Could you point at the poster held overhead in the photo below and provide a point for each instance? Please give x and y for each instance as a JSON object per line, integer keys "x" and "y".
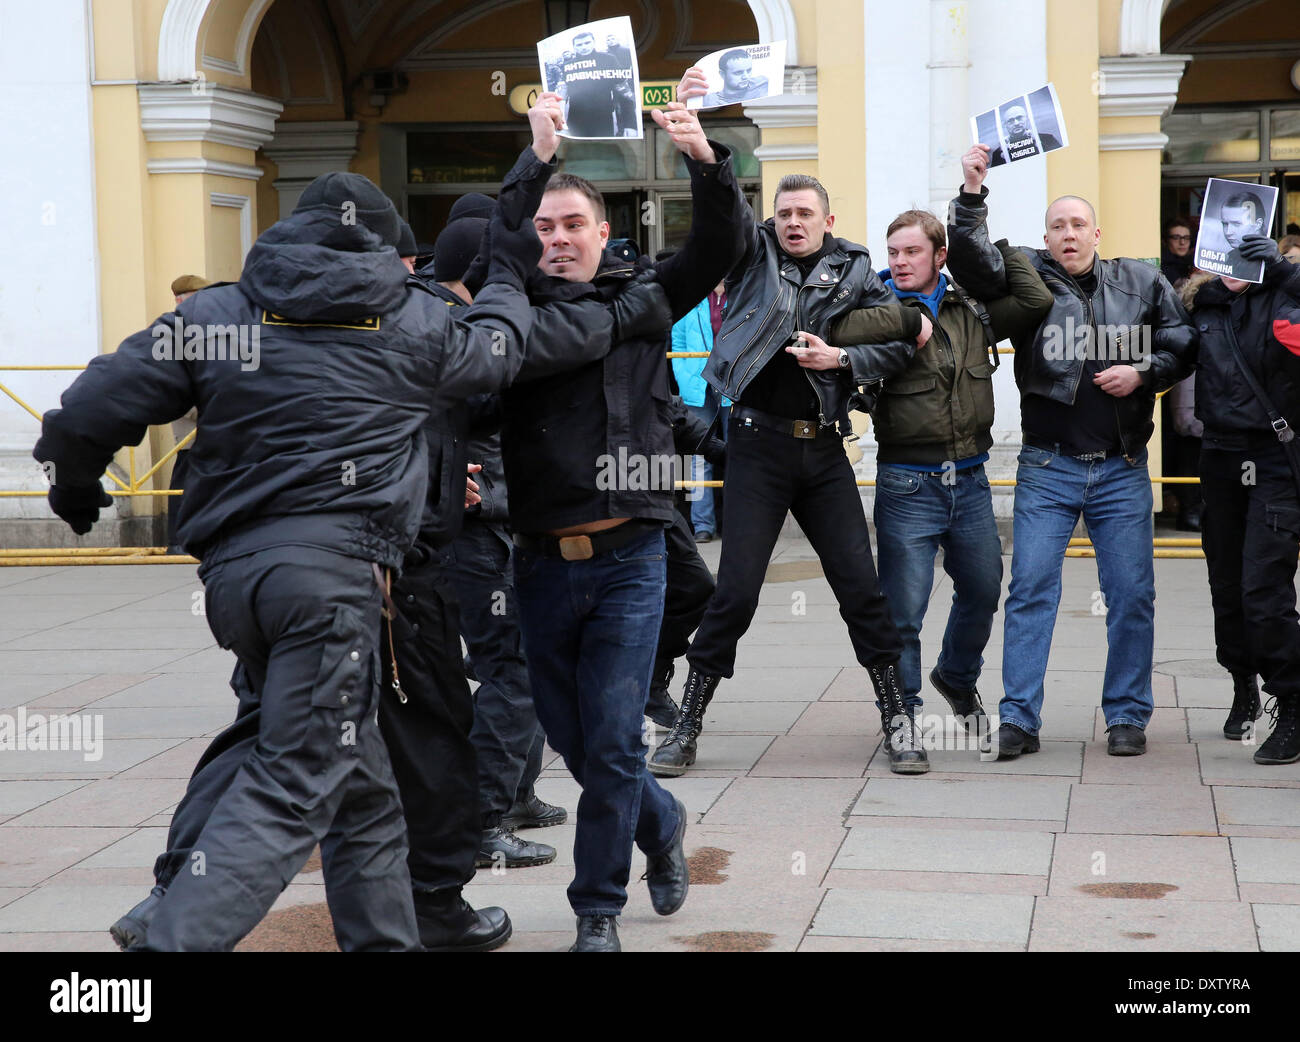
{"x": 742, "y": 73}
{"x": 1233, "y": 210}
{"x": 1026, "y": 126}
{"x": 593, "y": 68}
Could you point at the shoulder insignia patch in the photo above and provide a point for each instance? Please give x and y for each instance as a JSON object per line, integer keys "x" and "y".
{"x": 370, "y": 322}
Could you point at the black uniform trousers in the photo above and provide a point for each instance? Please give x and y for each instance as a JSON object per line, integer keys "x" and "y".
{"x": 690, "y": 585}
{"x": 302, "y": 764}
{"x": 768, "y": 474}
{"x": 427, "y": 740}
{"x": 507, "y": 737}
{"x": 1251, "y": 534}
{"x": 428, "y": 735}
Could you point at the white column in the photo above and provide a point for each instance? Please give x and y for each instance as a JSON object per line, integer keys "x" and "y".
{"x": 797, "y": 107}
{"x": 304, "y": 151}
{"x": 1142, "y": 85}
{"x": 949, "y": 112}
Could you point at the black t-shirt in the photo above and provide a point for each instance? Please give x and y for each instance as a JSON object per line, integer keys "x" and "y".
{"x": 783, "y": 387}
{"x": 1091, "y": 424}
{"x": 590, "y": 83}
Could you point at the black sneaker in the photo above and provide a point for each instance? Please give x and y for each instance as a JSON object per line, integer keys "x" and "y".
{"x": 1011, "y": 741}
{"x": 597, "y": 933}
{"x": 502, "y": 847}
{"x": 1126, "y": 740}
{"x": 533, "y": 813}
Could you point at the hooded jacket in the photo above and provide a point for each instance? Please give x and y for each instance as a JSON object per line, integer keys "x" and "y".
{"x": 313, "y": 377}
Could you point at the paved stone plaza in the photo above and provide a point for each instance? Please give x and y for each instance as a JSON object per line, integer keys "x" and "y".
{"x": 800, "y": 838}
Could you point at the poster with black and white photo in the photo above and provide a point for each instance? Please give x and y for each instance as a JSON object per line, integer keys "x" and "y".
{"x": 736, "y": 74}
{"x": 1233, "y": 210}
{"x": 593, "y": 68}
{"x": 1026, "y": 126}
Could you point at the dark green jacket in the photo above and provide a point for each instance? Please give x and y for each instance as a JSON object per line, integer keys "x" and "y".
{"x": 941, "y": 407}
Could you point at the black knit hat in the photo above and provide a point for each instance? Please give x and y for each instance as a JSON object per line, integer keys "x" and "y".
{"x": 369, "y": 206}
{"x": 475, "y": 204}
{"x": 456, "y": 248}
{"x": 406, "y": 241}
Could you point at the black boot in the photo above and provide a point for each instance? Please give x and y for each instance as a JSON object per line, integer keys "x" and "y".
{"x": 677, "y": 751}
{"x": 448, "y": 924}
{"x": 130, "y": 931}
{"x": 1283, "y": 745}
{"x": 901, "y": 740}
{"x": 1245, "y": 707}
{"x": 660, "y": 707}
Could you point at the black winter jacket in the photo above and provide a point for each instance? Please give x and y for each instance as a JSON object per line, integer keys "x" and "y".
{"x": 315, "y": 437}
{"x": 596, "y": 442}
{"x": 1265, "y": 321}
{"x": 768, "y": 300}
{"x": 1129, "y": 294}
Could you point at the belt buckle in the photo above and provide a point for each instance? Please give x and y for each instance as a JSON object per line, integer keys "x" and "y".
{"x": 1090, "y": 456}
{"x": 804, "y": 429}
{"x": 576, "y": 548}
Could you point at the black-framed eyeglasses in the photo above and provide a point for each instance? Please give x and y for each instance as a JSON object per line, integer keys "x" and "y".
{"x": 1180, "y": 238}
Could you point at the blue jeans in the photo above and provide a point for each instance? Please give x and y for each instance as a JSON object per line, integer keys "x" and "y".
{"x": 917, "y": 512}
{"x": 1114, "y": 498}
{"x": 590, "y": 631}
{"x": 703, "y": 518}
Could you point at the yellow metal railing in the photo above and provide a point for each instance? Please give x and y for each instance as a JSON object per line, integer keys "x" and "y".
{"x": 158, "y": 555}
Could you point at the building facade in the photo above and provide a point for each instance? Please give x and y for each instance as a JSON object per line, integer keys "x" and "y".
{"x": 156, "y": 138}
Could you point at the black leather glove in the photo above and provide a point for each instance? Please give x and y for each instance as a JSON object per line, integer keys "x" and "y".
{"x": 714, "y": 450}
{"x": 79, "y": 507}
{"x": 1260, "y": 248}
{"x": 511, "y": 253}
{"x": 641, "y": 312}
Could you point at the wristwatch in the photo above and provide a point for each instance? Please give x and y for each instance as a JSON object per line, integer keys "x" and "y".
{"x": 844, "y": 359}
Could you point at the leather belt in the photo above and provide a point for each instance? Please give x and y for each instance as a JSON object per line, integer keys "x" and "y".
{"x": 585, "y": 547}
{"x": 744, "y": 416}
{"x": 1055, "y": 446}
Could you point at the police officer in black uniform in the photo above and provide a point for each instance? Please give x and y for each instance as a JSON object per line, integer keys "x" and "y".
{"x": 293, "y": 527}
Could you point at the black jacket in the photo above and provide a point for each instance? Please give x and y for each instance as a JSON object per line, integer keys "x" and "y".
{"x": 1130, "y": 293}
{"x": 768, "y": 300}
{"x": 315, "y": 437}
{"x": 1265, "y": 321}
{"x": 596, "y": 442}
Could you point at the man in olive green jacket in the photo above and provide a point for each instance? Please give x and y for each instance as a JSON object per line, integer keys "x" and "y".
{"x": 932, "y": 424}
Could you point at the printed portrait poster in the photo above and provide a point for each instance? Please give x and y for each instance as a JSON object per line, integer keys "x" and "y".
{"x": 1024, "y": 127}
{"x": 593, "y": 68}
{"x": 1231, "y": 211}
{"x": 743, "y": 73}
